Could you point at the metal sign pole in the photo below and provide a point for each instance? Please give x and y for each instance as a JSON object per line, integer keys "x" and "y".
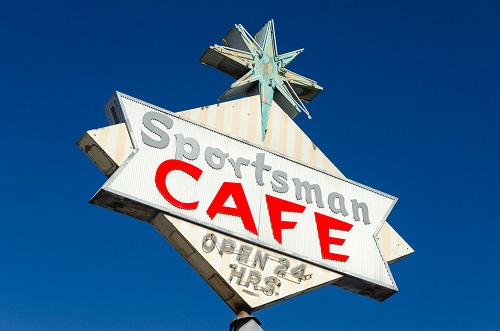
{"x": 245, "y": 322}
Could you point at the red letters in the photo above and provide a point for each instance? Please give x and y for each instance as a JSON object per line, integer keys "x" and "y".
{"x": 276, "y": 206}
{"x": 161, "y": 175}
{"x": 242, "y": 209}
{"x": 324, "y": 224}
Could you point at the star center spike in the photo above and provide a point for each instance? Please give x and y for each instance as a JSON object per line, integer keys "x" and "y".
{"x": 258, "y": 68}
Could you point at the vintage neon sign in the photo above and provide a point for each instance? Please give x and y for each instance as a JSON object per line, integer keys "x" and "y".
{"x": 257, "y": 181}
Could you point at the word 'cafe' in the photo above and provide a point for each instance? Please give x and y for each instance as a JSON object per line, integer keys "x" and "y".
{"x": 189, "y": 148}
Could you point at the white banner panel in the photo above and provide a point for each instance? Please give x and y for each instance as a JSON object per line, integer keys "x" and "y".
{"x": 205, "y": 177}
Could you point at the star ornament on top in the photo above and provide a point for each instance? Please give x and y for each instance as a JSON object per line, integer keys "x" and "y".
{"x": 258, "y": 68}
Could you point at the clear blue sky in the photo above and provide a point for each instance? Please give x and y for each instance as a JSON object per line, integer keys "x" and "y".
{"x": 410, "y": 106}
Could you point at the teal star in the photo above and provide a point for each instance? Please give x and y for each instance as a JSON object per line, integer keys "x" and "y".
{"x": 258, "y": 68}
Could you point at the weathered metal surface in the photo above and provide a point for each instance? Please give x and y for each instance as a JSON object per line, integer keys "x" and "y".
{"x": 107, "y": 147}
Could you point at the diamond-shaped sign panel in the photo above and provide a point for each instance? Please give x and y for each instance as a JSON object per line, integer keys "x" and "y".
{"x": 246, "y": 276}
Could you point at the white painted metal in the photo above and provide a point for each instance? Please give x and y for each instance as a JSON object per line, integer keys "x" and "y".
{"x": 107, "y": 147}
{"x": 393, "y": 247}
{"x": 135, "y": 180}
